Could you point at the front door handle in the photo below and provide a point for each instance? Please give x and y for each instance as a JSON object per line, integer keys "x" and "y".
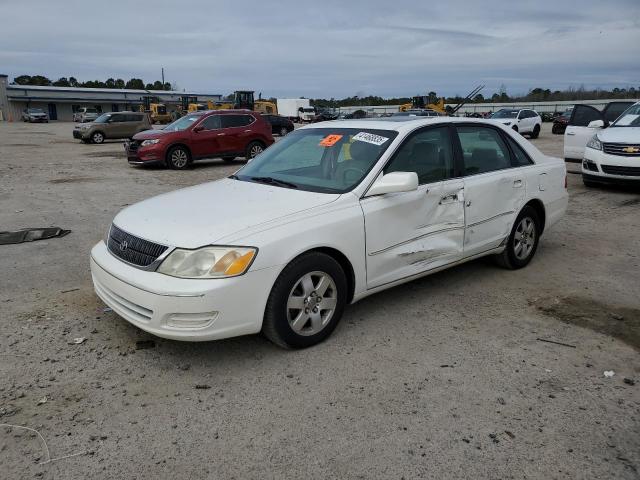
{"x": 221, "y": 134}
{"x": 571, "y": 133}
{"x": 517, "y": 183}
{"x": 449, "y": 198}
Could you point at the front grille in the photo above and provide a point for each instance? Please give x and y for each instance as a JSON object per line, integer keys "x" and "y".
{"x": 132, "y": 249}
{"x": 616, "y": 170}
{"x": 619, "y": 149}
{"x": 132, "y": 146}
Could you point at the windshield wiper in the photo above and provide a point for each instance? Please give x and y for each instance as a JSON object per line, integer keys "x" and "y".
{"x": 274, "y": 181}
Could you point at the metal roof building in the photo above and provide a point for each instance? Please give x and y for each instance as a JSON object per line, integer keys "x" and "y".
{"x": 61, "y": 102}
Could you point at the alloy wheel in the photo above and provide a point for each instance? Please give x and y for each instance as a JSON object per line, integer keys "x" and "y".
{"x": 255, "y": 150}
{"x": 311, "y": 303}
{"x": 524, "y": 238}
{"x": 179, "y": 158}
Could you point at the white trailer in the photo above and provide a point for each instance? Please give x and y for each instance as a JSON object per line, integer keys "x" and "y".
{"x": 297, "y": 109}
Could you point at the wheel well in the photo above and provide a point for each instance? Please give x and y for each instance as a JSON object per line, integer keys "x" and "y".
{"x": 344, "y": 262}
{"x": 179, "y": 145}
{"x": 539, "y": 208}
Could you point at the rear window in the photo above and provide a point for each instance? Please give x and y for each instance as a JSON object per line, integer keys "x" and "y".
{"x": 230, "y": 121}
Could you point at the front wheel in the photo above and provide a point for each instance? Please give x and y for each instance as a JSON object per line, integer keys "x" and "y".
{"x": 284, "y": 131}
{"x": 253, "y": 150}
{"x": 306, "y": 301}
{"x": 523, "y": 240}
{"x": 178, "y": 158}
{"x": 536, "y": 132}
{"x": 97, "y": 137}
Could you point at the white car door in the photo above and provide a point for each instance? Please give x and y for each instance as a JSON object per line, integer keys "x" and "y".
{"x": 578, "y": 133}
{"x": 523, "y": 122}
{"x": 494, "y": 190}
{"x": 412, "y": 232}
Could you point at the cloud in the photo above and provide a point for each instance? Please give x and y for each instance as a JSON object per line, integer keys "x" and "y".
{"x": 332, "y": 48}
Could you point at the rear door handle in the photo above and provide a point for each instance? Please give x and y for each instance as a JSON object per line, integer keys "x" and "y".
{"x": 221, "y": 134}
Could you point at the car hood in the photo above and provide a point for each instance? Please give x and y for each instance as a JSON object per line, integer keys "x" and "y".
{"x": 151, "y": 134}
{"x": 505, "y": 121}
{"x": 203, "y": 214}
{"x": 620, "y": 135}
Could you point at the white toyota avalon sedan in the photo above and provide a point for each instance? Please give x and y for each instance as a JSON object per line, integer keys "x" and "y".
{"x": 334, "y": 212}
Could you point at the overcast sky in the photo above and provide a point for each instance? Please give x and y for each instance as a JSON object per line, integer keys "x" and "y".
{"x": 328, "y": 48}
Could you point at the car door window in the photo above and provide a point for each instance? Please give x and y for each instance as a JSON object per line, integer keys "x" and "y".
{"x": 211, "y": 123}
{"x": 614, "y": 110}
{"x": 483, "y": 150}
{"x": 520, "y": 157}
{"x": 428, "y": 153}
{"x": 582, "y": 115}
{"x": 231, "y": 121}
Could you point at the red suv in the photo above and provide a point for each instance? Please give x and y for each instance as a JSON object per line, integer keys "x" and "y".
{"x": 215, "y": 133}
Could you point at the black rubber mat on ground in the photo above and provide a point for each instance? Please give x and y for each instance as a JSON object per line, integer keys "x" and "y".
{"x": 31, "y": 234}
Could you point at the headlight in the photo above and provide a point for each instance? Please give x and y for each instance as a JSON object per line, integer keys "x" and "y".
{"x": 595, "y": 143}
{"x": 208, "y": 262}
{"x": 149, "y": 142}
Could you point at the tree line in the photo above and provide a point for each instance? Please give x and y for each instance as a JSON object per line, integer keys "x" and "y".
{"x": 501, "y": 96}
{"x": 116, "y": 83}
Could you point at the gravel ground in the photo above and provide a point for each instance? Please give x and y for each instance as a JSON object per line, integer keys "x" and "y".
{"x": 441, "y": 378}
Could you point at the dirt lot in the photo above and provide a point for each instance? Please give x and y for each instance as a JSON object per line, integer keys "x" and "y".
{"x": 442, "y": 378}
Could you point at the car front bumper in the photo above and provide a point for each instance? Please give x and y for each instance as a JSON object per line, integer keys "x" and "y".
{"x": 182, "y": 309}
{"x": 149, "y": 155}
{"x": 598, "y": 166}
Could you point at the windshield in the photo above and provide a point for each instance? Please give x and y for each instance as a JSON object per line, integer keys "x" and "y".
{"x": 629, "y": 118}
{"x": 505, "y": 114}
{"x": 91, "y": 110}
{"x": 566, "y": 114}
{"x": 331, "y": 160}
{"x": 35, "y": 110}
{"x": 182, "y": 123}
{"x": 104, "y": 118}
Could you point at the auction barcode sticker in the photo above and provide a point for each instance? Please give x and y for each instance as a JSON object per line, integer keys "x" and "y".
{"x": 370, "y": 138}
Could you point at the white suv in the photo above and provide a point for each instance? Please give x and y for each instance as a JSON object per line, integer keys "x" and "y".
{"x": 523, "y": 121}
{"x": 85, "y": 114}
{"x": 612, "y": 155}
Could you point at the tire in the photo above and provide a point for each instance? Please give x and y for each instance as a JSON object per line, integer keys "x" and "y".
{"x": 291, "y": 327}
{"x": 97, "y": 137}
{"x": 536, "y": 131}
{"x": 518, "y": 254}
{"x": 515, "y": 128}
{"x": 253, "y": 149}
{"x": 284, "y": 131}
{"x": 228, "y": 159}
{"x": 178, "y": 158}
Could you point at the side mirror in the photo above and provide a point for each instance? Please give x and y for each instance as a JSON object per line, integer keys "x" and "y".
{"x": 197, "y": 129}
{"x": 596, "y": 124}
{"x": 394, "y": 182}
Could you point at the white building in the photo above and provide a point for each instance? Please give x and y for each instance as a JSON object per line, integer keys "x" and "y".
{"x": 61, "y": 102}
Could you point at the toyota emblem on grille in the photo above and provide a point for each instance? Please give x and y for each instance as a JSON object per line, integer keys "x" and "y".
{"x": 123, "y": 246}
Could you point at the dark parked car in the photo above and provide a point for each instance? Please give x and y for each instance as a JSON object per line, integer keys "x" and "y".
{"x": 279, "y": 124}
{"x": 225, "y": 134}
{"x": 32, "y": 115}
{"x": 561, "y": 121}
{"x": 324, "y": 117}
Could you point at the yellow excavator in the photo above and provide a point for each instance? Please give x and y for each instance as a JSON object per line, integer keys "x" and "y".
{"x": 244, "y": 99}
{"x": 425, "y": 101}
{"x": 157, "y": 111}
{"x": 433, "y": 103}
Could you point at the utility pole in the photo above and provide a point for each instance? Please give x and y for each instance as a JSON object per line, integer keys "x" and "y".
{"x": 162, "y": 77}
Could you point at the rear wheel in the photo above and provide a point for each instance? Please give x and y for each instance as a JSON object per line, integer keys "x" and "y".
{"x": 536, "y": 131}
{"x": 306, "y": 301}
{"x": 523, "y": 240}
{"x": 97, "y": 137}
{"x": 284, "y": 131}
{"x": 253, "y": 149}
{"x": 178, "y": 158}
{"x": 515, "y": 128}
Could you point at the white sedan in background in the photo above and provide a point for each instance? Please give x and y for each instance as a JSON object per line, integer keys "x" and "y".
{"x": 334, "y": 212}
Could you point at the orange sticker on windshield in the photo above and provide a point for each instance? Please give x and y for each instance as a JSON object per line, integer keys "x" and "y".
{"x": 330, "y": 140}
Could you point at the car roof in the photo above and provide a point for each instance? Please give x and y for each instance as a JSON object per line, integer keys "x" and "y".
{"x": 398, "y": 124}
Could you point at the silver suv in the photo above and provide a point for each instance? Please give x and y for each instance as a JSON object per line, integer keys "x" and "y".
{"x": 85, "y": 114}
